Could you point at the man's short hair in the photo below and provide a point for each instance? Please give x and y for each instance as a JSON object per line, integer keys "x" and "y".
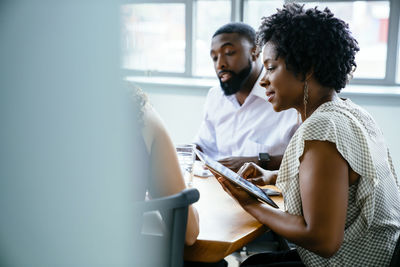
{"x": 240, "y": 28}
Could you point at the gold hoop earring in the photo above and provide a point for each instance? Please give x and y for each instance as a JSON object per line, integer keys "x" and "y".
{"x": 298, "y": 118}
{"x": 305, "y": 98}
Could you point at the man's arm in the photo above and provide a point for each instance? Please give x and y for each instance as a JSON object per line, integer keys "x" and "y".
{"x": 198, "y": 148}
{"x": 234, "y": 163}
{"x": 274, "y": 163}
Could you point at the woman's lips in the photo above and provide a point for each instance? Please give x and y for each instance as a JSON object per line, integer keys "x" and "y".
{"x": 270, "y": 95}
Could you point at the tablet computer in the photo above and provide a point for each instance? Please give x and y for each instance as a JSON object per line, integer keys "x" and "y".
{"x": 235, "y": 178}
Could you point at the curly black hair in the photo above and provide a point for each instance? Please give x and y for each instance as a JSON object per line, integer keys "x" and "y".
{"x": 311, "y": 39}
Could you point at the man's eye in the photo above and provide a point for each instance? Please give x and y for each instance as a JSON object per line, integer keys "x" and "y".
{"x": 230, "y": 53}
{"x": 270, "y": 68}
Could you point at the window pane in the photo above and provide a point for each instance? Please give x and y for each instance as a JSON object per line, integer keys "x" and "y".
{"x": 210, "y": 15}
{"x": 369, "y": 23}
{"x": 254, "y": 10}
{"x": 153, "y": 37}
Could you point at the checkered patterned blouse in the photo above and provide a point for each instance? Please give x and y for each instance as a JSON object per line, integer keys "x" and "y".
{"x": 373, "y": 213}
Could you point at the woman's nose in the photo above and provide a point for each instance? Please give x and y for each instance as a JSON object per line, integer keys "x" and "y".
{"x": 264, "y": 81}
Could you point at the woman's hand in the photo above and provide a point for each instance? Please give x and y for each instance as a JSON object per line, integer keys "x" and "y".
{"x": 257, "y": 175}
{"x": 236, "y": 192}
{"x": 240, "y": 195}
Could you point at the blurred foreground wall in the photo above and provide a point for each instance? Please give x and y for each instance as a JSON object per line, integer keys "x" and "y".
{"x": 66, "y": 161}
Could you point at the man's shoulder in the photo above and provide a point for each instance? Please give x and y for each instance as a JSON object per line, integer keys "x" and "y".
{"x": 215, "y": 96}
{"x": 215, "y": 91}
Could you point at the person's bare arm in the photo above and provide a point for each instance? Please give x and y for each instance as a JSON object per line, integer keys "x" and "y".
{"x": 324, "y": 182}
{"x": 166, "y": 177}
{"x": 235, "y": 163}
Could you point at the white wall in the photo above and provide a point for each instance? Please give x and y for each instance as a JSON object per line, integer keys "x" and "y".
{"x": 181, "y": 111}
{"x": 181, "y": 108}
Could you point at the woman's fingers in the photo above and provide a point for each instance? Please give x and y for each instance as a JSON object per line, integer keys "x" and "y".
{"x": 248, "y": 170}
{"x": 214, "y": 173}
{"x": 235, "y": 191}
{"x": 257, "y": 181}
{"x": 242, "y": 169}
{"x": 225, "y": 185}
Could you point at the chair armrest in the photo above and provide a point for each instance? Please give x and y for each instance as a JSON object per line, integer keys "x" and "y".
{"x": 184, "y": 198}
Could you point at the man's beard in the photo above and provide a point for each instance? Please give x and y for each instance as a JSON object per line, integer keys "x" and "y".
{"x": 234, "y": 84}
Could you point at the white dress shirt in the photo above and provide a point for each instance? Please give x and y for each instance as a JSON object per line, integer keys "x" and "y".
{"x": 229, "y": 129}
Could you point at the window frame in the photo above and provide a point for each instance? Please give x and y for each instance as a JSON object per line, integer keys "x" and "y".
{"x": 237, "y": 14}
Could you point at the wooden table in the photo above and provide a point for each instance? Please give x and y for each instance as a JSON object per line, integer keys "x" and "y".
{"x": 224, "y": 226}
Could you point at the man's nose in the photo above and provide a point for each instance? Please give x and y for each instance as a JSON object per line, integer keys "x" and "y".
{"x": 221, "y": 63}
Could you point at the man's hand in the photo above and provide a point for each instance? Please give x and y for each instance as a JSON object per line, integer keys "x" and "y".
{"x": 234, "y": 163}
{"x": 257, "y": 175}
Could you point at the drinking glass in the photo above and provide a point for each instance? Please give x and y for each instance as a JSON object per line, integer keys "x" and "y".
{"x": 186, "y": 158}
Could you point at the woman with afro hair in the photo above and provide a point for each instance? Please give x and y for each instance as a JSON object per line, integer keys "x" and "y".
{"x": 341, "y": 193}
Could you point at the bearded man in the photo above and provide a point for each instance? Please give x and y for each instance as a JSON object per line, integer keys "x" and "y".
{"x": 239, "y": 124}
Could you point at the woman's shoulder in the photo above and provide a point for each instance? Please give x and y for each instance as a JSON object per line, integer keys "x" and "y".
{"x": 339, "y": 123}
{"x": 347, "y": 116}
{"x": 153, "y": 127}
{"x": 319, "y": 123}
{"x": 335, "y": 113}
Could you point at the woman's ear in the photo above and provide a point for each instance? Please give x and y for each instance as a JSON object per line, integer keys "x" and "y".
{"x": 254, "y": 53}
{"x": 309, "y": 74}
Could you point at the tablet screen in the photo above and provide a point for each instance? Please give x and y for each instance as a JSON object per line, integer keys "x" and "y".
{"x": 235, "y": 178}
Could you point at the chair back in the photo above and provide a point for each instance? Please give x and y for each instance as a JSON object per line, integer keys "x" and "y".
{"x": 163, "y": 228}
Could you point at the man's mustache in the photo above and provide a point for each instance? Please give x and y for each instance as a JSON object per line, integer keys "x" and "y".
{"x": 225, "y": 71}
